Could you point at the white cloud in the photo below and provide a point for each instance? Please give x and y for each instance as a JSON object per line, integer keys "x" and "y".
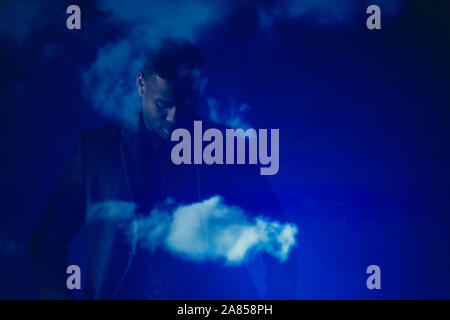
{"x": 206, "y": 230}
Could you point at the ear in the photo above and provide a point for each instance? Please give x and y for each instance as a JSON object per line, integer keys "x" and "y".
{"x": 140, "y": 83}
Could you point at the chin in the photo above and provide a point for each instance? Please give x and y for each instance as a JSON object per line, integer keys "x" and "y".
{"x": 164, "y": 134}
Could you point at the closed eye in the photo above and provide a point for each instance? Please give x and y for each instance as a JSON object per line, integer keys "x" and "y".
{"x": 162, "y": 104}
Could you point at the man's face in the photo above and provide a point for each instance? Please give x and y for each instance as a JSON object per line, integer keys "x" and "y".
{"x": 161, "y": 104}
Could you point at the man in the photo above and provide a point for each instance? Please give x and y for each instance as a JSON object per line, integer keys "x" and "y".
{"x": 127, "y": 165}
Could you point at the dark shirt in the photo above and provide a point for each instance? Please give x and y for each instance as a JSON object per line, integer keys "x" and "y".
{"x": 160, "y": 274}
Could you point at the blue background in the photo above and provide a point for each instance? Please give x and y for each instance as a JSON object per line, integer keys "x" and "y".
{"x": 364, "y": 127}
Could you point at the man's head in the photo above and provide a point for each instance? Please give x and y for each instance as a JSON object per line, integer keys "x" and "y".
{"x": 169, "y": 85}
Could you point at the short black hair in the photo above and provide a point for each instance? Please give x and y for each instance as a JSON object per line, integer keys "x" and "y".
{"x": 172, "y": 58}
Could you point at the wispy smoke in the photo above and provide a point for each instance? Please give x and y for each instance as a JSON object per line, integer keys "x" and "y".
{"x": 109, "y": 82}
{"x": 19, "y": 18}
{"x": 10, "y": 247}
{"x": 233, "y": 116}
{"x": 207, "y": 230}
{"x": 322, "y": 11}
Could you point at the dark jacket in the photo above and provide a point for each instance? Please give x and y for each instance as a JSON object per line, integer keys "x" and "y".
{"x": 110, "y": 164}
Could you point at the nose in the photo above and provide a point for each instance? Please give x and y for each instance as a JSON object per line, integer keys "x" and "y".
{"x": 170, "y": 117}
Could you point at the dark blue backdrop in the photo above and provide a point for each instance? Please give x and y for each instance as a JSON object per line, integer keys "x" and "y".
{"x": 363, "y": 118}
